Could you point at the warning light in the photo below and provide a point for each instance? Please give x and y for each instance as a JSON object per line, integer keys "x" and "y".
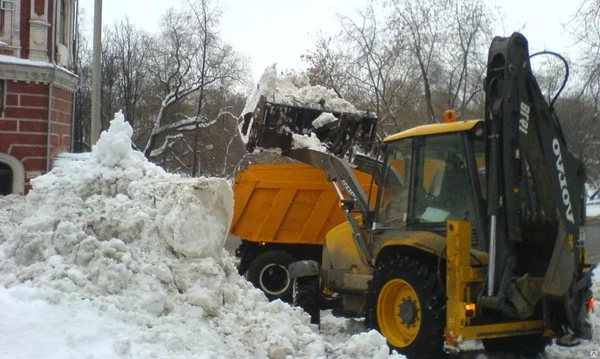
{"x": 470, "y": 310}
{"x": 449, "y": 116}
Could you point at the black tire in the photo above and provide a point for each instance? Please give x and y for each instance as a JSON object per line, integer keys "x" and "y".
{"x": 269, "y": 273}
{"x": 307, "y": 295}
{"x": 526, "y": 346}
{"x": 415, "y": 327}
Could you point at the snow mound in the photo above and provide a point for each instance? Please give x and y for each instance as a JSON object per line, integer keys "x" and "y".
{"x": 140, "y": 253}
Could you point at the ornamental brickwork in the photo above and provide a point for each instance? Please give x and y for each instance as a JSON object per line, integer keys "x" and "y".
{"x": 37, "y": 86}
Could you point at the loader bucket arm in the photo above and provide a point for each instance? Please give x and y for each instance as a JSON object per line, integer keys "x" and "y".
{"x": 535, "y": 192}
{"x": 338, "y": 170}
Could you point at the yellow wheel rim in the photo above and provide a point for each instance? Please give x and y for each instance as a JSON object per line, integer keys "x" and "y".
{"x": 398, "y": 313}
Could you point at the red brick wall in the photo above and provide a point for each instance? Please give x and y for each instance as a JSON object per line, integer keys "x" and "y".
{"x": 62, "y": 113}
{"x": 24, "y": 123}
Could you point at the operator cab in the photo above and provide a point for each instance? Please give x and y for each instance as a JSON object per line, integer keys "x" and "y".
{"x": 433, "y": 174}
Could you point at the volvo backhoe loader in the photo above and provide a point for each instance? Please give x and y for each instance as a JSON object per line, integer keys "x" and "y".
{"x": 476, "y": 233}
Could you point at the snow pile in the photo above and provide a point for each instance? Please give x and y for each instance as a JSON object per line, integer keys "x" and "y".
{"x": 308, "y": 141}
{"x": 296, "y": 91}
{"x": 112, "y": 257}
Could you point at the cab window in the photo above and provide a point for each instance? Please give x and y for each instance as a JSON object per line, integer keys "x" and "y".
{"x": 442, "y": 186}
{"x": 392, "y": 206}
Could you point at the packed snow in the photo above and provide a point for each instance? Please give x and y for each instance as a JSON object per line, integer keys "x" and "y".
{"x": 110, "y": 257}
{"x": 308, "y": 141}
{"x": 324, "y": 119}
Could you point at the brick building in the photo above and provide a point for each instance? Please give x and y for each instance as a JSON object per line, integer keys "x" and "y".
{"x": 37, "y": 85}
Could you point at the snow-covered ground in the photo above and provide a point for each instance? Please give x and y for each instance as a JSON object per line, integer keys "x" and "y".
{"x": 110, "y": 257}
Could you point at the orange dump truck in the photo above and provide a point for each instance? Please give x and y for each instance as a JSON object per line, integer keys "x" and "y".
{"x": 282, "y": 213}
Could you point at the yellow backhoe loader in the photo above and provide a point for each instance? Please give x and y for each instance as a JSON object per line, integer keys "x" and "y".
{"x": 476, "y": 231}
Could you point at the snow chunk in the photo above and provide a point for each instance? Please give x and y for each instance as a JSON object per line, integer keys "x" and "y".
{"x": 305, "y": 141}
{"x": 195, "y": 217}
{"x": 323, "y": 119}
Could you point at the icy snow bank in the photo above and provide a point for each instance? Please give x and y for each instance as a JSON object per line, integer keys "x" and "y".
{"x": 110, "y": 235}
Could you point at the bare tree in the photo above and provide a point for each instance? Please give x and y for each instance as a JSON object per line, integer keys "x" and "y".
{"x": 131, "y": 47}
{"x": 326, "y": 65}
{"x": 189, "y": 67}
{"x": 83, "y": 94}
{"x": 218, "y": 66}
{"x": 465, "y": 50}
{"x": 174, "y": 75}
{"x": 418, "y": 21}
{"x": 367, "y": 66}
{"x": 378, "y": 66}
{"x": 583, "y": 109}
{"x": 109, "y": 79}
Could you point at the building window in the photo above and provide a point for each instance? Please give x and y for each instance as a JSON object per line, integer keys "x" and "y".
{"x": 63, "y": 22}
{"x": 6, "y": 6}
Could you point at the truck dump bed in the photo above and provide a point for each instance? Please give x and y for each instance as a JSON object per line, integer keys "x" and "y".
{"x": 286, "y": 204}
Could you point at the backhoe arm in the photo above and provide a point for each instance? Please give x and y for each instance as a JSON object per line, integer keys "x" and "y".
{"x": 535, "y": 196}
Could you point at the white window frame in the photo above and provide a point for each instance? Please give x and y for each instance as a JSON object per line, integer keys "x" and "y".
{"x": 4, "y": 5}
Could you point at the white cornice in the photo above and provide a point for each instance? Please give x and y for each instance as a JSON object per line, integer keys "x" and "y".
{"x": 38, "y": 72}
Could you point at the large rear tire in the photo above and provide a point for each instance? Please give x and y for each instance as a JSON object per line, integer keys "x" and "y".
{"x": 269, "y": 273}
{"x": 406, "y": 305}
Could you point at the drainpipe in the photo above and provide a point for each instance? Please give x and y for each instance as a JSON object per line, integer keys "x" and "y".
{"x": 51, "y": 84}
{"x": 73, "y": 53}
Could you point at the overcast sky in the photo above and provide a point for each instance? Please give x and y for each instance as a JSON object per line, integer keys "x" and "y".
{"x": 270, "y": 31}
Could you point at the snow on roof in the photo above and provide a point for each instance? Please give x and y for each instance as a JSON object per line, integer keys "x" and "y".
{"x": 13, "y": 60}
{"x": 294, "y": 91}
{"x": 110, "y": 256}
{"x": 6, "y": 59}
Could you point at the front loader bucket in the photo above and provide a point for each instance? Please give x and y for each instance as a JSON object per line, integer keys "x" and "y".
{"x": 272, "y": 126}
